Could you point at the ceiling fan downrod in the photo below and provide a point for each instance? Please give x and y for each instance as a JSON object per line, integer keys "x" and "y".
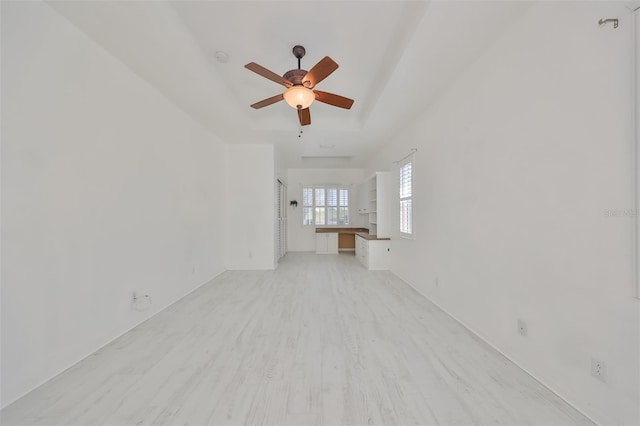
{"x": 298, "y": 52}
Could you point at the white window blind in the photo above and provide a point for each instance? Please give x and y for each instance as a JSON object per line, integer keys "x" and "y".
{"x": 332, "y": 206}
{"x": 406, "y": 198}
{"x": 325, "y": 205}
{"x": 343, "y": 211}
{"x": 307, "y": 206}
{"x": 320, "y": 210}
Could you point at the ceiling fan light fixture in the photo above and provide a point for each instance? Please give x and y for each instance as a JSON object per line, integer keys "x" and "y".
{"x": 299, "y": 97}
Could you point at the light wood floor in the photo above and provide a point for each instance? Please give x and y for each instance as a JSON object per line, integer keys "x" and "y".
{"x": 318, "y": 341}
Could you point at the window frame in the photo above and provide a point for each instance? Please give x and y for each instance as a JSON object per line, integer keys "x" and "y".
{"x": 403, "y": 198}
{"x": 314, "y": 207}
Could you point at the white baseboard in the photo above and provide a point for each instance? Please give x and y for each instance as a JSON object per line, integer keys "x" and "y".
{"x": 82, "y": 357}
{"x": 488, "y": 342}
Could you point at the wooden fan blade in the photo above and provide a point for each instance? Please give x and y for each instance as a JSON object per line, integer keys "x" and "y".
{"x": 305, "y": 116}
{"x": 268, "y": 101}
{"x": 259, "y": 69}
{"x": 320, "y": 71}
{"x": 332, "y": 99}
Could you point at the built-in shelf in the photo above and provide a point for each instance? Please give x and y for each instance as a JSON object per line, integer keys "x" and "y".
{"x": 378, "y": 185}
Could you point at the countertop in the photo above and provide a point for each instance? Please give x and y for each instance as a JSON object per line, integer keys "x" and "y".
{"x": 362, "y": 232}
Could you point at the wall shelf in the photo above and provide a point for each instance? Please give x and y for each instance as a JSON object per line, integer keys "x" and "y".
{"x": 379, "y": 223}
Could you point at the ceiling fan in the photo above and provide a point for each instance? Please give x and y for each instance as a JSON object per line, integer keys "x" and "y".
{"x": 300, "y": 85}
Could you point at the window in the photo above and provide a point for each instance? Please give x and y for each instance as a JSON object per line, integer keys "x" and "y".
{"x": 406, "y": 198}
{"x": 325, "y": 205}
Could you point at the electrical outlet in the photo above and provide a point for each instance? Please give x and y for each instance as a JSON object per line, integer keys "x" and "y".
{"x": 598, "y": 369}
{"x": 522, "y": 327}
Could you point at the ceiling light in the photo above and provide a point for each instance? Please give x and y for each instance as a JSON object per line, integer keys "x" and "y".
{"x": 299, "y": 97}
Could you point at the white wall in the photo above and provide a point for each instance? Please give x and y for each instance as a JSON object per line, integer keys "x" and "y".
{"x": 302, "y": 238}
{"x": 250, "y": 207}
{"x": 636, "y": 153}
{"x": 280, "y": 164}
{"x": 281, "y": 175}
{"x": 107, "y": 188}
{"x": 518, "y": 165}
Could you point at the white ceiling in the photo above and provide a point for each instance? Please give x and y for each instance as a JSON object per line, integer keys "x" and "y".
{"x": 395, "y": 57}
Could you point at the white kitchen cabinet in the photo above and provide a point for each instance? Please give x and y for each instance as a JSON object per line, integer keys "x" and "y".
{"x": 362, "y": 251}
{"x": 327, "y": 243}
{"x": 373, "y": 254}
{"x": 379, "y": 251}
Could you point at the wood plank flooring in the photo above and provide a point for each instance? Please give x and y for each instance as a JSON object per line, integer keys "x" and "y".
{"x": 319, "y": 341}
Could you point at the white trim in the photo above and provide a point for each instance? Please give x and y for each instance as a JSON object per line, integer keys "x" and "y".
{"x": 111, "y": 339}
{"x": 408, "y": 159}
{"x": 488, "y": 342}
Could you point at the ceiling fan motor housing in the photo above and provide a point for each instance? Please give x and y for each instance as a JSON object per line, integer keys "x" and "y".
{"x": 295, "y": 77}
